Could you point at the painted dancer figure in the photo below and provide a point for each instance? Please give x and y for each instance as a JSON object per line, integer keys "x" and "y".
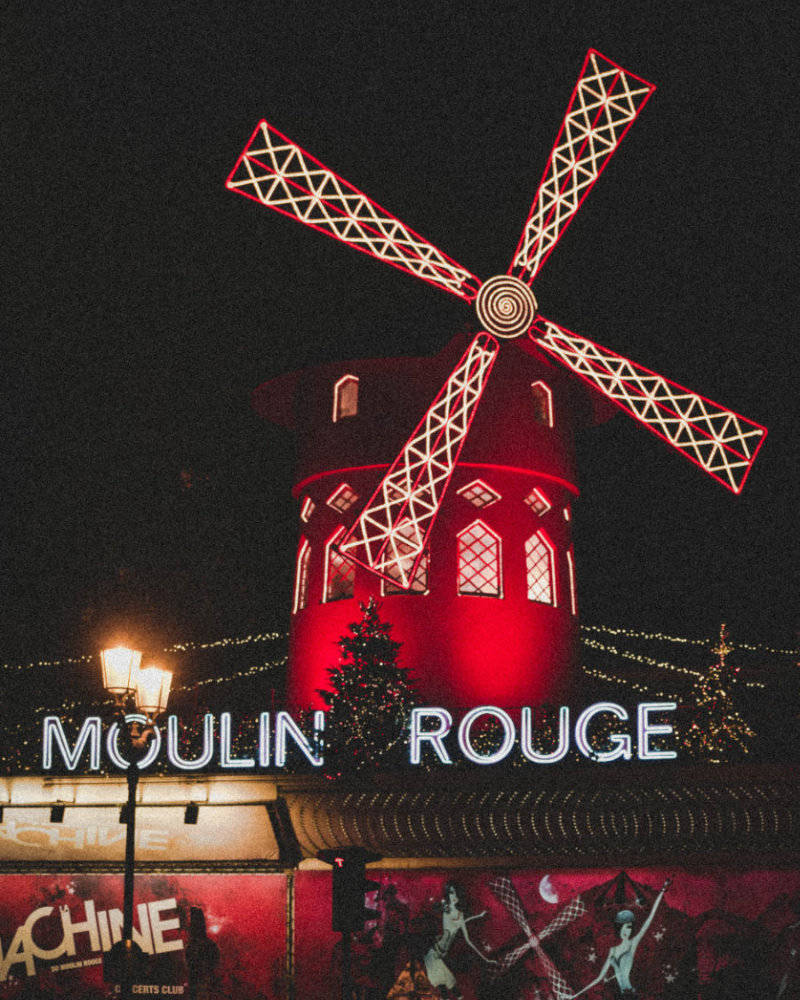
{"x": 454, "y": 921}
{"x": 620, "y": 957}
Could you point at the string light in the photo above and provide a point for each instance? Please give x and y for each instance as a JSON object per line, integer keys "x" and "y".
{"x": 22, "y": 736}
{"x": 626, "y": 682}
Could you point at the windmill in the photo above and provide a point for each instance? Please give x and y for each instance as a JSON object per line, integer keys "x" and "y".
{"x": 390, "y": 535}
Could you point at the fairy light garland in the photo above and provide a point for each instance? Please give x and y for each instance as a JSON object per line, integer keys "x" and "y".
{"x": 662, "y": 637}
{"x": 650, "y": 661}
{"x": 187, "y": 646}
{"x": 647, "y": 689}
{"x": 22, "y": 735}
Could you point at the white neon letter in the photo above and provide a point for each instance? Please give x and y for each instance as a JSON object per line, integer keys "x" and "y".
{"x": 172, "y": 744}
{"x": 509, "y": 734}
{"x": 90, "y": 733}
{"x": 526, "y": 738}
{"x": 263, "y": 739}
{"x": 621, "y": 742}
{"x": 434, "y": 736}
{"x": 284, "y": 724}
{"x": 647, "y": 729}
{"x": 225, "y": 759}
{"x": 112, "y": 748}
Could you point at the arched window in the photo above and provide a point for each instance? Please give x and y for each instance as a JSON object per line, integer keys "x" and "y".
{"x": 345, "y": 398}
{"x": 573, "y": 590}
{"x": 540, "y": 569}
{"x": 340, "y": 573}
{"x": 542, "y": 404}
{"x": 301, "y": 576}
{"x": 419, "y": 582}
{"x": 479, "y": 570}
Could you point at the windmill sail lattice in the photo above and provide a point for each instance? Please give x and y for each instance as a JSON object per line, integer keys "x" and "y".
{"x": 390, "y": 535}
{"x": 279, "y": 174}
{"x": 716, "y": 439}
{"x": 504, "y": 889}
{"x": 604, "y": 105}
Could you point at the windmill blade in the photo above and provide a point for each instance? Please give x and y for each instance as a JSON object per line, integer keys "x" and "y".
{"x": 504, "y": 889}
{"x": 720, "y": 441}
{"x": 390, "y": 535}
{"x": 275, "y": 172}
{"x": 606, "y": 101}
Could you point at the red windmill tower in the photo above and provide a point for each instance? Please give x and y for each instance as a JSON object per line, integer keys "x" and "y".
{"x": 466, "y": 532}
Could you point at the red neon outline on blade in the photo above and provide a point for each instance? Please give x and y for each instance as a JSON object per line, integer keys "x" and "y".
{"x": 469, "y": 367}
{"x": 523, "y": 269}
{"x": 748, "y": 461}
{"x": 464, "y": 279}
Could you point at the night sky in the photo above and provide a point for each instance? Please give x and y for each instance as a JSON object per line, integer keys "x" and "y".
{"x": 146, "y": 302}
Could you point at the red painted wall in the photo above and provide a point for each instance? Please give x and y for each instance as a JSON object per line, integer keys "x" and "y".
{"x": 463, "y": 650}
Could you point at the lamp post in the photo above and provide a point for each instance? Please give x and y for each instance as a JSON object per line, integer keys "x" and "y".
{"x": 140, "y": 696}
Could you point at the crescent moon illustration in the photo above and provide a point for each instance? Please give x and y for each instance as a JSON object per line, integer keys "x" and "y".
{"x": 548, "y": 891}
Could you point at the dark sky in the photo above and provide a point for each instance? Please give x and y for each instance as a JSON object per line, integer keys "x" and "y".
{"x": 146, "y": 302}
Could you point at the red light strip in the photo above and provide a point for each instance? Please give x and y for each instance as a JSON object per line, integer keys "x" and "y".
{"x": 411, "y": 492}
{"x": 275, "y": 172}
{"x": 595, "y": 123}
{"x": 720, "y": 441}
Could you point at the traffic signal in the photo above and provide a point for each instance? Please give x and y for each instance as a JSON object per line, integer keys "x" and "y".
{"x": 350, "y": 885}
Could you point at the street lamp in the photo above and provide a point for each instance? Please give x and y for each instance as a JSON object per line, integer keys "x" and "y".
{"x": 140, "y": 696}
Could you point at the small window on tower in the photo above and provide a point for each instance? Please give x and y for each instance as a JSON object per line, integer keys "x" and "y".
{"x": 342, "y": 498}
{"x": 479, "y": 493}
{"x": 537, "y": 501}
{"x": 301, "y": 576}
{"x": 573, "y": 590}
{"x": 542, "y": 404}
{"x": 345, "y": 398}
{"x": 340, "y": 572}
{"x": 479, "y": 561}
{"x": 539, "y": 566}
{"x": 306, "y": 510}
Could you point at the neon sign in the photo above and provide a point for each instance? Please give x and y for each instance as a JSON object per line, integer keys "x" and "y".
{"x": 432, "y": 737}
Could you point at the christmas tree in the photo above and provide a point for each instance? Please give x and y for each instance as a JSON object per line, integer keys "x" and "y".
{"x": 717, "y": 733}
{"x": 369, "y": 700}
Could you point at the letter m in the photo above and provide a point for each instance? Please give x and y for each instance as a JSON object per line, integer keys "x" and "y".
{"x": 54, "y": 733}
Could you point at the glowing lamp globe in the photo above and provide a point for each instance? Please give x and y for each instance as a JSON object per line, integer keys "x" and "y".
{"x": 152, "y": 690}
{"x": 120, "y": 666}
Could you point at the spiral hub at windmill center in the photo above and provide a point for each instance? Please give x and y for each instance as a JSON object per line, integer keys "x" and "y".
{"x": 505, "y": 306}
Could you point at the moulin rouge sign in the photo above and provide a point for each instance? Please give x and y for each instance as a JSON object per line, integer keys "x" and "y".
{"x": 433, "y": 736}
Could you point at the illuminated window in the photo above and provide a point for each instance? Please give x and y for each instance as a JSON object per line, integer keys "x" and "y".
{"x": 340, "y": 573}
{"x": 301, "y": 576}
{"x": 478, "y": 493}
{"x": 539, "y": 566}
{"x": 307, "y": 509}
{"x": 537, "y": 502}
{"x": 419, "y": 582}
{"x": 479, "y": 561}
{"x": 542, "y": 404}
{"x": 345, "y": 398}
{"x": 342, "y": 498}
{"x": 573, "y": 590}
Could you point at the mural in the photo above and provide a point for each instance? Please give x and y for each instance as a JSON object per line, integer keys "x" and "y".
{"x": 545, "y": 935}
{"x": 474, "y": 934}
{"x": 205, "y": 936}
